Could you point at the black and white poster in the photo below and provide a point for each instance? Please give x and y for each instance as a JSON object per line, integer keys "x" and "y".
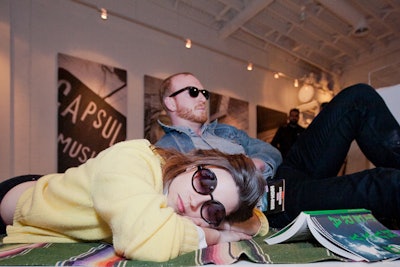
{"x": 91, "y": 109}
{"x": 229, "y": 110}
{"x": 268, "y": 122}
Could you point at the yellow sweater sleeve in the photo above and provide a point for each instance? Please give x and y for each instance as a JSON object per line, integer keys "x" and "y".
{"x": 132, "y": 203}
{"x": 118, "y": 195}
{"x": 264, "y": 228}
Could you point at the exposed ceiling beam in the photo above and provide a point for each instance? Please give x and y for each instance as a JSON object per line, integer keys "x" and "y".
{"x": 348, "y": 13}
{"x": 250, "y": 11}
{"x": 317, "y": 64}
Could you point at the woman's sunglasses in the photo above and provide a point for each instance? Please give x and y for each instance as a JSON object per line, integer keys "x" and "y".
{"x": 193, "y": 92}
{"x": 204, "y": 182}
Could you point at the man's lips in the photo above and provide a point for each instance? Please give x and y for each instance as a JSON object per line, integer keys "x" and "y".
{"x": 180, "y": 206}
{"x": 200, "y": 107}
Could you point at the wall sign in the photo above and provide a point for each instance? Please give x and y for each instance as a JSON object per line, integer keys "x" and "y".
{"x": 91, "y": 109}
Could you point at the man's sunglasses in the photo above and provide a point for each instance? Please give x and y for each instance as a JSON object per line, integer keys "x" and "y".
{"x": 204, "y": 182}
{"x": 193, "y": 92}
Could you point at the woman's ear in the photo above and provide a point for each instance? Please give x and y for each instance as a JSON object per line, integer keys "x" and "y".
{"x": 170, "y": 103}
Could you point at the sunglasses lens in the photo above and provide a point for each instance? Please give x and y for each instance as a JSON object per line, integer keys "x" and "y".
{"x": 204, "y": 181}
{"x": 206, "y": 94}
{"x": 213, "y": 212}
{"x": 193, "y": 92}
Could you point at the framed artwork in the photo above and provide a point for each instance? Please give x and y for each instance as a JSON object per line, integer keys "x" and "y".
{"x": 153, "y": 110}
{"x": 91, "y": 109}
{"x": 268, "y": 122}
{"x": 230, "y": 111}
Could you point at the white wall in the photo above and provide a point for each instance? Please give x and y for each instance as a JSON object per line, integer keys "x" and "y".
{"x": 34, "y": 31}
{"x": 368, "y": 72}
{"x": 5, "y": 103}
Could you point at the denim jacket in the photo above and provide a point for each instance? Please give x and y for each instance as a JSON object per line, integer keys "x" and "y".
{"x": 254, "y": 148}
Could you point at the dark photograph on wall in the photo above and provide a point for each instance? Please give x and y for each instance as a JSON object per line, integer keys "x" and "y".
{"x": 91, "y": 109}
{"x": 268, "y": 122}
{"x": 226, "y": 109}
{"x": 230, "y": 111}
{"x": 153, "y": 110}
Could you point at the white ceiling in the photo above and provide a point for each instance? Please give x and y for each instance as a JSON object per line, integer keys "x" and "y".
{"x": 330, "y": 35}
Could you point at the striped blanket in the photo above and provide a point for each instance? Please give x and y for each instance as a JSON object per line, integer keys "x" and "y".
{"x": 102, "y": 254}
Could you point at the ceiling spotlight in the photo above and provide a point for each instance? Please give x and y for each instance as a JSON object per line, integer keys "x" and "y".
{"x": 276, "y": 75}
{"x": 296, "y": 83}
{"x": 103, "y": 13}
{"x": 188, "y": 43}
{"x": 250, "y": 66}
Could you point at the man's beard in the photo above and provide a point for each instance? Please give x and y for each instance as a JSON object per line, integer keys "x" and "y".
{"x": 188, "y": 114}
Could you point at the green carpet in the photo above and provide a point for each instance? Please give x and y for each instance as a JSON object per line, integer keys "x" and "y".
{"x": 102, "y": 254}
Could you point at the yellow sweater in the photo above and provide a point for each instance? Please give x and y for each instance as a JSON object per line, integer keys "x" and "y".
{"x": 118, "y": 195}
{"x": 115, "y": 197}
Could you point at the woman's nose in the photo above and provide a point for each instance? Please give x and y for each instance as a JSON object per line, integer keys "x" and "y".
{"x": 197, "y": 200}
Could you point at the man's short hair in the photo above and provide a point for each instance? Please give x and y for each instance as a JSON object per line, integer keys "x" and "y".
{"x": 166, "y": 86}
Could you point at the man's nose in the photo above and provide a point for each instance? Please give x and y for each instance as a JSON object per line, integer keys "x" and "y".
{"x": 202, "y": 97}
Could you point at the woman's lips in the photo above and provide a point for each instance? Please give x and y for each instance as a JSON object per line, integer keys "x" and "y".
{"x": 181, "y": 207}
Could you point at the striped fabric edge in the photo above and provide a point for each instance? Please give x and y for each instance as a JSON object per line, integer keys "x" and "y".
{"x": 228, "y": 253}
{"x": 102, "y": 255}
{"x": 13, "y": 250}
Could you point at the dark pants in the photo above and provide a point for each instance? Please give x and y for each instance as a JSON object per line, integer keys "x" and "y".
{"x": 311, "y": 167}
{"x": 10, "y": 183}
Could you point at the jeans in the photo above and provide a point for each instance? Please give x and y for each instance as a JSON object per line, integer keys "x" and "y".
{"x": 311, "y": 167}
{"x": 7, "y": 185}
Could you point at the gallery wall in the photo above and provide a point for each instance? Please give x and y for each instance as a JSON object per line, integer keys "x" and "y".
{"x": 34, "y": 32}
{"x": 144, "y": 40}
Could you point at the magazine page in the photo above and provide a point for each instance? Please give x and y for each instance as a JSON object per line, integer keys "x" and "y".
{"x": 295, "y": 231}
{"x": 329, "y": 245}
{"x": 359, "y": 233}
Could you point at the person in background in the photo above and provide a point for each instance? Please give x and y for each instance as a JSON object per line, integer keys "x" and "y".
{"x": 140, "y": 198}
{"x": 287, "y": 134}
{"x": 311, "y": 167}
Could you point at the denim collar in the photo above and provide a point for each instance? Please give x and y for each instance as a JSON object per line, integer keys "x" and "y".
{"x": 206, "y": 127}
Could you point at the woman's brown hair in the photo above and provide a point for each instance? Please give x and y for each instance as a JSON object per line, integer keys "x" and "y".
{"x": 249, "y": 180}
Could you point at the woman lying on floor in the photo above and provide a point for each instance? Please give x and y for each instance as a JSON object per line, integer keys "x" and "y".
{"x": 152, "y": 204}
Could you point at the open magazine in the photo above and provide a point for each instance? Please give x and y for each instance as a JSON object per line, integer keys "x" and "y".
{"x": 354, "y": 234}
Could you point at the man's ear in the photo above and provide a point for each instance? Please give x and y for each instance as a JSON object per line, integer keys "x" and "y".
{"x": 170, "y": 103}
